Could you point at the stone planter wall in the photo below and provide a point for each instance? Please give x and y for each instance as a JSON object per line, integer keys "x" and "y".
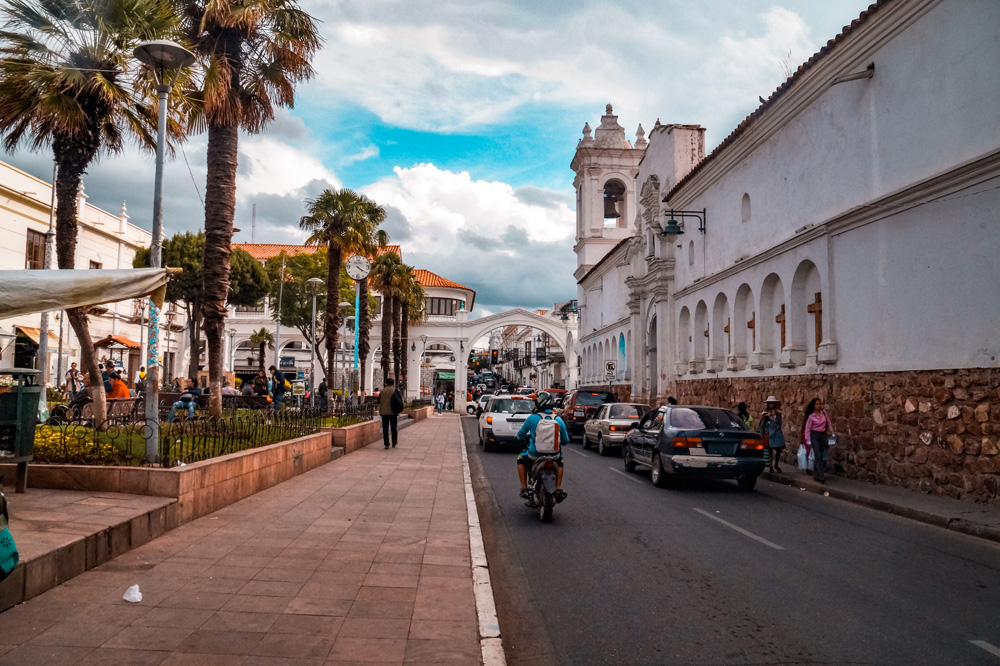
{"x": 357, "y": 436}
{"x": 419, "y": 413}
{"x": 936, "y": 431}
{"x": 201, "y": 487}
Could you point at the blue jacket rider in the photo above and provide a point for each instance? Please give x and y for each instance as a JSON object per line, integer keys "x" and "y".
{"x": 525, "y": 458}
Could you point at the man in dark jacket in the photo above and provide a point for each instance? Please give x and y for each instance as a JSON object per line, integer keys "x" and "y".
{"x": 386, "y": 412}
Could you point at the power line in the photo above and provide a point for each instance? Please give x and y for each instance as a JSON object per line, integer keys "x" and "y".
{"x": 193, "y": 182}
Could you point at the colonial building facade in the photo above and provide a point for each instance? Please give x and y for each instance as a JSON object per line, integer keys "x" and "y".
{"x": 840, "y": 243}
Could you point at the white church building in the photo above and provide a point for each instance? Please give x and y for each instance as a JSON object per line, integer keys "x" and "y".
{"x": 842, "y": 242}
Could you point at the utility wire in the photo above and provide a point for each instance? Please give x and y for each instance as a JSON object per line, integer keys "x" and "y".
{"x": 193, "y": 181}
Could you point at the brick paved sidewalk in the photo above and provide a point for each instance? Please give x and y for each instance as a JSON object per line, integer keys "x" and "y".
{"x": 366, "y": 559}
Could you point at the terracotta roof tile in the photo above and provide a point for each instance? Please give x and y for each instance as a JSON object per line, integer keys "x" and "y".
{"x": 428, "y": 279}
{"x": 782, "y": 89}
{"x": 264, "y": 251}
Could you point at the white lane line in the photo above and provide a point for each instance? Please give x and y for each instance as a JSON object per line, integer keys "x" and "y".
{"x": 491, "y": 644}
{"x": 992, "y": 649}
{"x": 579, "y": 453}
{"x": 627, "y": 476}
{"x": 740, "y": 530}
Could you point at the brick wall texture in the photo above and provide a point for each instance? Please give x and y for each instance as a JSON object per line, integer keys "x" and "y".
{"x": 936, "y": 431}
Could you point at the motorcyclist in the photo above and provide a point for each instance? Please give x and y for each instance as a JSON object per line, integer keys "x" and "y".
{"x": 543, "y": 405}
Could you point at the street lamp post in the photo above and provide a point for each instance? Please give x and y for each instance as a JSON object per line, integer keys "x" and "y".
{"x": 314, "y": 282}
{"x": 232, "y": 352}
{"x": 160, "y": 55}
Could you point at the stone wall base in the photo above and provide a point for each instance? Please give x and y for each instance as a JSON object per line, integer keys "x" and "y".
{"x": 937, "y": 431}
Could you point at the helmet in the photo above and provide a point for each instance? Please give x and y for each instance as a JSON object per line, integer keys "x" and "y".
{"x": 543, "y": 401}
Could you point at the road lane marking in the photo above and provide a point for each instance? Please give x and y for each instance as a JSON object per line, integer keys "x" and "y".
{"x": 579, "y": 453}
{"x": 740, "y": 530}
{"x": 992, "y": 649}
{"x": 627, "y": 476}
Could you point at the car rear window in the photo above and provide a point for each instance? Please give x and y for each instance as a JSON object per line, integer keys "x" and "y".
{"x": 627, "y": 411}
{"x": 705, "y": 418}
{"x": 511, "y": 406}
{"x": 589, "y": 399}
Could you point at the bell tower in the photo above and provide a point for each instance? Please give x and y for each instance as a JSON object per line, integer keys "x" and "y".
{"x": 606, "y": 166}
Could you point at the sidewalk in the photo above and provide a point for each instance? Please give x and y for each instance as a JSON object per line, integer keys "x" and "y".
{"x": 365, "y": 559}
{"x": 979, "y": 520}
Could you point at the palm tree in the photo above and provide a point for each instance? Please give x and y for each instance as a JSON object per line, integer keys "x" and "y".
{"x": 386, "y": 277}
{"x": 412, "y": 313}
{"x": 253, "y": 53}
{"x": 346, "y": 223}
{"x": 262, "y": 338}
{"x": 68, "y": 79}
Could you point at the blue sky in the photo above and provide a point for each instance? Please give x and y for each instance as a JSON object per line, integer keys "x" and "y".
{"x": 462, "y": 116}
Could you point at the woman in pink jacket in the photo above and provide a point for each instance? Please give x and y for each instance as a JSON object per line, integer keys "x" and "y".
{"x": 818, "y": 427}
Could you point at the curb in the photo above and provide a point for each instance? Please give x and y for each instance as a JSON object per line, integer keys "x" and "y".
{"x": 490, "y": 643}
{"x": 954, "y": 524}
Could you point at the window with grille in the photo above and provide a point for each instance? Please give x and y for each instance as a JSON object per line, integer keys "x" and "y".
{"x": 34, "y": 255}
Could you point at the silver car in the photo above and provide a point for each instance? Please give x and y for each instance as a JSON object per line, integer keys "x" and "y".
{"x": 610, "y": 424}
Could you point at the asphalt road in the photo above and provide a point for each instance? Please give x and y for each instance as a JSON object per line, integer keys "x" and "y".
{"x": 704, "y": 574}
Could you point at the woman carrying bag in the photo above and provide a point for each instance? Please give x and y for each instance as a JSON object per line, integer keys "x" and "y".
{"x": 816, "y": 432}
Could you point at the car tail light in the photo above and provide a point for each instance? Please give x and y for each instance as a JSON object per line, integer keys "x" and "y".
{"x": 686, "y": 442}
{"x": 615, "y": 428}
{"x": 752, "y": 444}
{"x": 489, "y": 420}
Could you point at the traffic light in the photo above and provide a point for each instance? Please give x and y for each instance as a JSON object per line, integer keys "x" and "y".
{"x": 494, "y": 356}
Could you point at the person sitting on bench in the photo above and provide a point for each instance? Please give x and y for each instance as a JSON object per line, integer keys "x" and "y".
{"x": 188, "y": 399}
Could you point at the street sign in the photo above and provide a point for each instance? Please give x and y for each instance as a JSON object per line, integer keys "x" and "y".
{"x": 298, "y": 388}
{"x": 610, "y": 369}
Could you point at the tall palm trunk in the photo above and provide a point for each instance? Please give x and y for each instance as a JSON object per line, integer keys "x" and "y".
{"x": 263, "y": 349}
{"x": 194, "y": 336}
{"x": 386, "y": 335}
{"x": 396, "y": 311}
{"x": 334, "y": 258}
{"x": 405, "y": 337}
{"x": 220, "y": 207}
{"x": 364, "y": 325}
{"x": 72, "y": 159}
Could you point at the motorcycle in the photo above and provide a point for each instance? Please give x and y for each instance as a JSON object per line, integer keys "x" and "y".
{"x": 542, "y": 486}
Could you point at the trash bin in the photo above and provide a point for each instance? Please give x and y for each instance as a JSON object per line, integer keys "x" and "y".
{"x": 18, "y": 418}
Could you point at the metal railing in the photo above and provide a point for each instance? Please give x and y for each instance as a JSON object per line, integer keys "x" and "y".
{"x": 114, "y": 442}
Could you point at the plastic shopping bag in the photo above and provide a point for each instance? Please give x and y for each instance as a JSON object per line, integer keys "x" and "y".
{"x": 805, "y": 459}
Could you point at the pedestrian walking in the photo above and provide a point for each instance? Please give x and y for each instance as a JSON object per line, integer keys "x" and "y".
{"x": 322, "y": 392}
{"x": 260, "y": 383}
{"x": 440, "y": 402}
{"x": 770, "y": 428}
{"x": 816, "y": 432}
{"x": 741, "y": 411}
{"x": 390, "y": 403}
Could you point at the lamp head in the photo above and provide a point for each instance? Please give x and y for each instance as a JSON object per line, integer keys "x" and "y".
{"x": 671, "y": 228}
{"x": 163, "y": 54}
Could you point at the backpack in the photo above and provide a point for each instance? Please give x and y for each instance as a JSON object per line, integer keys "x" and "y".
{"x": 547, "y": 435}
{"x": 396, "y": 402}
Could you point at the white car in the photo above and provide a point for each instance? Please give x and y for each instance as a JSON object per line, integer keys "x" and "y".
{"x": 473, "y": 407}
{"x": 502, "y": 418}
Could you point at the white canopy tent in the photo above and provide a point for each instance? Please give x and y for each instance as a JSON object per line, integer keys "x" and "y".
{"x": 25, "y": 292}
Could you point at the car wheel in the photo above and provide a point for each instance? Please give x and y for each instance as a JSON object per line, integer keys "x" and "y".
{"x": 628, "y": 459}
{"x": 656, "y": 473}
{"x": 747, "y": 482}
{"x": 601, "y": 448}
{"x": 586, "y": 441}
{"x": 488, "y": 446}
{"x": 482, "y": 442}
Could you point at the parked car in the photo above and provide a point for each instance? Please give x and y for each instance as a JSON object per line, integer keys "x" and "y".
{"x": 579, "y": 405}
{"x": 610, "y": 424}
{"x": 525, "y": 390}
{"x": 502, "y": 418}
{"x": 681, "y": 440}
{"x": 476, "y": 408}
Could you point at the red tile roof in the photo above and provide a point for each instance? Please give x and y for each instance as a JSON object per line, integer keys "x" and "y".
{"x": 120, "y": 339}
{"x": 264, "y": 251}
{"x": 428, "y": 279}
{"x": 782, "y": 89}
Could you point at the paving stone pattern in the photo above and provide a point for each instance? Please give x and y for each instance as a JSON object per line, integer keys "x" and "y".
{"x": 363, "y": 560}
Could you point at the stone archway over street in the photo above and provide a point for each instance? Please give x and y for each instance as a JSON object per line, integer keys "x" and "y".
{"x": 459, "y": 335}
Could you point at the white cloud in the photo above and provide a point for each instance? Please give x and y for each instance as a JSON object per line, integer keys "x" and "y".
{"x": 366, "y": 153}
{"x": 440, "y": 204}
{"x": 269, "y": 166}
{"x": 451, "y": 71}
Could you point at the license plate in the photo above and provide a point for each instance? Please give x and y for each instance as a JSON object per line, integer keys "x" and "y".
{"x": 577, "y": 412}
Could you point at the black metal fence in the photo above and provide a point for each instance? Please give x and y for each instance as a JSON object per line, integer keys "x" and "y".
{"x": 184, "y": 441}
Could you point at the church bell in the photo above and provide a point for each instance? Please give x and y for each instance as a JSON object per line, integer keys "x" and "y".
{"x": 611, "y": 206}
